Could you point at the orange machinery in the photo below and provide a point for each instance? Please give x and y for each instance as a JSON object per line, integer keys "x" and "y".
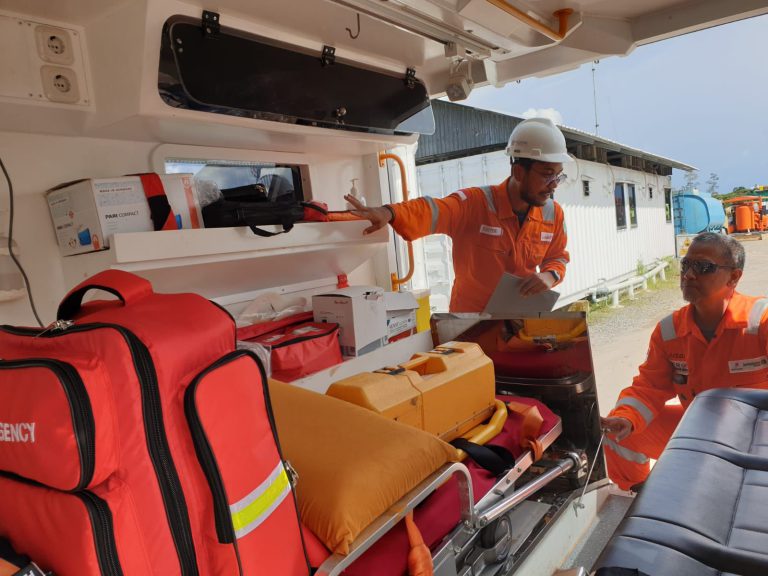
{"x": 746, "y": 214}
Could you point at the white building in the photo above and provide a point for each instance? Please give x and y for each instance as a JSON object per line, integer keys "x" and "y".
{"x": 616, "y": 200}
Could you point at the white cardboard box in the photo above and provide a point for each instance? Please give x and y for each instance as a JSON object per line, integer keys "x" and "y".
{"x": 86, "y": 213}
{"x": 401, "y": 314}
{"x": 359, "y": 311}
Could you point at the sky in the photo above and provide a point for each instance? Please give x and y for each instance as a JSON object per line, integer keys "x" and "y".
{"x": 700, "y": 99}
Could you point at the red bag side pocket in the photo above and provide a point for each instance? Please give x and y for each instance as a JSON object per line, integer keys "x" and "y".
{"x": 302, "y": 349}
{"x": 233, "y": 430}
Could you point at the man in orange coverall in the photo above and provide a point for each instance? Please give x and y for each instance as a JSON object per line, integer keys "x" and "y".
{"x": 513, "y": 227}
{"x": 719, "y": 340}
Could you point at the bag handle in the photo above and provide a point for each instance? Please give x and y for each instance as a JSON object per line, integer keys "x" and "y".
{"x": 266, "y": 234}
{"x": 128, "y": 287}
{"x": 243, "y": 215}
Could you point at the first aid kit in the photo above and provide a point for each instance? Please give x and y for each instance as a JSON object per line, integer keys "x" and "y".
{"x": 448, "y": 391}
{"x": 302, "y": 349}
{"x": 122, "y": 447}
{"x": 86, "y": 213}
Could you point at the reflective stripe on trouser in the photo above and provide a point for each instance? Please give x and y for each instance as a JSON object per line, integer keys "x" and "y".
{"x": 628, "y": 462}
{"x": 252, "y": 510}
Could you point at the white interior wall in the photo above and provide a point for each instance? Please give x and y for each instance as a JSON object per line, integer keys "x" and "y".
{"x": 39, "y": 162}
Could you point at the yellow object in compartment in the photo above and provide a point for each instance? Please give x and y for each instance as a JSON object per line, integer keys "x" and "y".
{"x": 447, "y": 392}
{"x": 551, "y": 330}
{"x": 423, "y": 312}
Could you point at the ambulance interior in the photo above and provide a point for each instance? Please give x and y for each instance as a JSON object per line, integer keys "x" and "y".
{"x": 302, "y": 99}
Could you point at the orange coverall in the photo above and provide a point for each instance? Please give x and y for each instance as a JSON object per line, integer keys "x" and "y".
{"x": 682, "y": 363}
{"x": 487, "y": 239}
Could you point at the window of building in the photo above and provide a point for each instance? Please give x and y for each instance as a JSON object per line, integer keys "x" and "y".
{"x": 650, "y": 192}
{"x": 585, "y": 187}
{"x": 632, "y": 205}
{"x": 621, "y": 206}
{"x": 668, "y": 203}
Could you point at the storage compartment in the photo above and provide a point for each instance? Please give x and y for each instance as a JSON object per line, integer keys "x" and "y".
{"x": 233, "y": 72}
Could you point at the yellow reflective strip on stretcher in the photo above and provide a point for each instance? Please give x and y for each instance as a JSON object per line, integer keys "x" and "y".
{"x": 252, "y": 510}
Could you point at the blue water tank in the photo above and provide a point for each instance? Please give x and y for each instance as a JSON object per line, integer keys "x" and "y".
{"x": 697, "y": 212}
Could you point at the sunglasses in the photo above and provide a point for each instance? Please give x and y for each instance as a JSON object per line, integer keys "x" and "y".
{"x": 700, "y": 267}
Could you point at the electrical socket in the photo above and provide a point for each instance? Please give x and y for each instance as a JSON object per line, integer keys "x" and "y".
{"x": 54, "y": 45}
{"x": 60, "y": 84}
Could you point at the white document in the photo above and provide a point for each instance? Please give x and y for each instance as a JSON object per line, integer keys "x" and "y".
{"x": 507, "y": 302}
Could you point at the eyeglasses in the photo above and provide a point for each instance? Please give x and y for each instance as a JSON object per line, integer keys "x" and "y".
{"x": 700, "y": 267}
{"x": 550, "y": 178}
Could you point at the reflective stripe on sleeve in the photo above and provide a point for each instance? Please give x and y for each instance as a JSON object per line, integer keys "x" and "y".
{"x": 562, "y": 261}
{"x": 548, "y": 211}
{"x": 489, "y": 198}
{"x": 756, "y": 314}
{"x": 626, "y": 453}
{"x": 644, "y": 411}
{"x": 668, "y": 328}
{"x": 435, "y": 213}
{"x": 252, "y": 510}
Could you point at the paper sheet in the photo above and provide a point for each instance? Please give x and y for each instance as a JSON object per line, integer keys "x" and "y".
{"x": 507, "y": 302}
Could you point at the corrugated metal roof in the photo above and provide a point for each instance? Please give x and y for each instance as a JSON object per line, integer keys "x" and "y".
{"x": 463, "y": 131}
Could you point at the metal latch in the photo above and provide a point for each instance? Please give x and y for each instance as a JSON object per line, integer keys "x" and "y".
{"x": 329, "y": 56}
{"x": 211, "y": 23}
{"x": 293, "y": 476}
{"x": 410, "y": 77}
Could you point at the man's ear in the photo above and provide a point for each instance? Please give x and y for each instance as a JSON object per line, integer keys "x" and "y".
{"x": 518, "y": 172}
{"x": 735, "y": 277}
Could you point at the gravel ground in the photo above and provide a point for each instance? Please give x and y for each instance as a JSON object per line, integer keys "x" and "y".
{"x": 606, "y": 324}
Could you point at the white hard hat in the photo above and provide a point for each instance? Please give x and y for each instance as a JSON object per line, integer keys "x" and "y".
{"x": 538, "y": 139}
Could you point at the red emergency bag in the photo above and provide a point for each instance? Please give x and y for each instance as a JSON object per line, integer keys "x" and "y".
{"x": 135, "y": 439}
{"x": 302, "y": 349}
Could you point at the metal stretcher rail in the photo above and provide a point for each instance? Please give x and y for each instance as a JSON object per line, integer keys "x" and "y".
{"x": 336, "y": 563}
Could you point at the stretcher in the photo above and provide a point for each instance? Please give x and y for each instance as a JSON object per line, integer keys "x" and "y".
{"x": 472, "y": 521}
{"x": 466, "y": 516}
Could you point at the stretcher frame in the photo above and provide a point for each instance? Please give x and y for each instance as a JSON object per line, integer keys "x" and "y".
{"x": 499, "y": 500}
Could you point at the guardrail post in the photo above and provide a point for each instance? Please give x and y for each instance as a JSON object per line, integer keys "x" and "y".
{"x": 615, "y": 299}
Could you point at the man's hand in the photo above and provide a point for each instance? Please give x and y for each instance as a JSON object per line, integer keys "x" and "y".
{"x": 619, "y": 428}
{"x": 378, "y": 216}
{"x": 536, "y": 283}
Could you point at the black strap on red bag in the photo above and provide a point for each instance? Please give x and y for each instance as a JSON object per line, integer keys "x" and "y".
{"x": 160, "y": 210}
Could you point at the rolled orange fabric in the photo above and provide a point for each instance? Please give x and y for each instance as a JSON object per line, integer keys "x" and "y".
{"x": 342, "y": 217}
{"x": 419, "y": 556}
{"x": 532, "y": 422}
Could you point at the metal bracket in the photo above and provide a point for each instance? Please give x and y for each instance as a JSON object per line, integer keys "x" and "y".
{"x": 410, "y": 77}
{"x": 210, "y": 23}
{"x": 329, "y": 55}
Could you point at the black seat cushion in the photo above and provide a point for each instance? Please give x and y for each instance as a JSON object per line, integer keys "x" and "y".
{"x": 704, "y": 508}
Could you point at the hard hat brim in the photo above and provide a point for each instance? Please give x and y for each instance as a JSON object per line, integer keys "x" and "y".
{"x": 555, "y": 158}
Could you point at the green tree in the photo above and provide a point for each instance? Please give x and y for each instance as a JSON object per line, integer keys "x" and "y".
{"x": 691, "y": 180}
{"x": 713, "y": 183}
